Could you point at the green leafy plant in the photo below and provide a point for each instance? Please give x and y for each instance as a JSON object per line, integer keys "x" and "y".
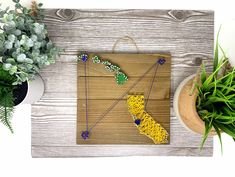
{"x": 6, "y": 97}
{"x": 25, "y": 48}
{"x": 216, "y": 96}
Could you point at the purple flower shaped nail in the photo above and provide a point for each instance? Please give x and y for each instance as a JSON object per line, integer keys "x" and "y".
{"x": 161, "y": 61}
{"x": 84, "y": 57}
{"x": 137, "y": 121}
{"x": 85, "y": 134}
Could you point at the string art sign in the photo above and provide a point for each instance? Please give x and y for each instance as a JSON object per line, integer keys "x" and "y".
{"x": 123, "y": 99}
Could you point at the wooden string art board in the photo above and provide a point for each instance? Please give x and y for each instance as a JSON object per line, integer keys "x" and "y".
{"x": 117, "y": 126}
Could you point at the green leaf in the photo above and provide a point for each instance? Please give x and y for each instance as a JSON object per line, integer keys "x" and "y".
{"x": 16, "y": 1}
{"x": 220, "y": 139}
{"x": 6, "y": 106}
{"x": 6, "y": 66}
{"x": 224, "y": 87}
{"x": 198, "y": 101}
{"x": 208, "y": 127}
{"x": 216, "y": 53}
{"x": 28, "y": 60}
{"x": 25, "y": 10}
{"x": 6, "y": 77}
{"x": 215, "y": 87}
{"x": 11, "y": 38}
{"x": 214, "y": 99}
{"x": 227, "y": 111}
{"x": 223, "y": 52}
{"x": 203, "y": 73}
{"x": 209, "y": 80}
{"x": 230, "y": 130}
{"x": 40, "y": 5}
{"x": 225, "y": 121}
{"x": 222, "y": 117}
{"x": 223, "y": 99}
{"x": 18, "y": 6}
{"x": 17, "y": 32}
{"x": 21, "y": 58}
{"x": 13, "y": 70}
{"x": 8, "y": 45}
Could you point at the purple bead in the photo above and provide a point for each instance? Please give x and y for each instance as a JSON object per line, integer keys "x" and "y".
{"x": 137, "y": 121}
{"x": 161, "y": 61}
{"x": 84, "y": 57}
{"x": 85, "y": 135}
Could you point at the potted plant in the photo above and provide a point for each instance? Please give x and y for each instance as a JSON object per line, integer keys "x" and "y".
{"x": 25, "y": 48}
{"x": 205, "y": 102}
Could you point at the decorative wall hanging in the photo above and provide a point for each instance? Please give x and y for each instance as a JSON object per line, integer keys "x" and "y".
{"x": 103, "y": 116}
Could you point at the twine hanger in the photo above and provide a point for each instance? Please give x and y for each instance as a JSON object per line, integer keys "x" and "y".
{"x": 126, "y": 39}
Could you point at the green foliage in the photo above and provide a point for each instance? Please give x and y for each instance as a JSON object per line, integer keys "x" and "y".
{"x": 216, "y": 97}
{"x": 6, "y": 97}
{"x": 25, "y": 47}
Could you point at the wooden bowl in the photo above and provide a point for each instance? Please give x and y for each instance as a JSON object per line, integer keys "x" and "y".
{"x": 185, "y": 107}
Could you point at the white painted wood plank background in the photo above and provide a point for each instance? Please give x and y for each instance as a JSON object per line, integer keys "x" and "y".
{"x": 187, "y": 35}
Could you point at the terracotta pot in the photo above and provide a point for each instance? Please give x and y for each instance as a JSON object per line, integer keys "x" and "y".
{"x": 185, "y": 107}
{"x": 29, "y": 92}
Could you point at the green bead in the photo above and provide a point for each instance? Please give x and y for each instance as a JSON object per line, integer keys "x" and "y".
{"x": 108, "y": 68}
{"x": 106, "y": 62}
{"x": 115, "y": 68}
{"x": 121, "y": 78}
{"x": 96, "y": 59}
{"x": 79, "y": 58}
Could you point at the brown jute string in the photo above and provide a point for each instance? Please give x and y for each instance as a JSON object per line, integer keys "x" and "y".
{"x": 125, "y": 38}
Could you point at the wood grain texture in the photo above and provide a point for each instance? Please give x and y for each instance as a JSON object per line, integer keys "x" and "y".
{"x": 103, "y": 91}
{"x": 187, "y": 35}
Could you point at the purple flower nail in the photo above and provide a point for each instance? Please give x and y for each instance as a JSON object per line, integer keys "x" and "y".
{"x": 137, "y": 121}
{"x": 85, "y": 135}
{"x": 161, "y": 61}
{"x": 84, "y": 57}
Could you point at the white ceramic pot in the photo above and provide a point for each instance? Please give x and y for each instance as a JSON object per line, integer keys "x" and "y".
{"x": 30, "y": 91}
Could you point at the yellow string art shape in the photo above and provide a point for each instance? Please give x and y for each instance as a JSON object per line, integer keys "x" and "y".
{"x": 144, "y": 122}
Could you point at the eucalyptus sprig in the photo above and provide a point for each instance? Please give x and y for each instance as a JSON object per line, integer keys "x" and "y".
{"x": 216, "y": 97}
{"x": 25, "y": 47}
